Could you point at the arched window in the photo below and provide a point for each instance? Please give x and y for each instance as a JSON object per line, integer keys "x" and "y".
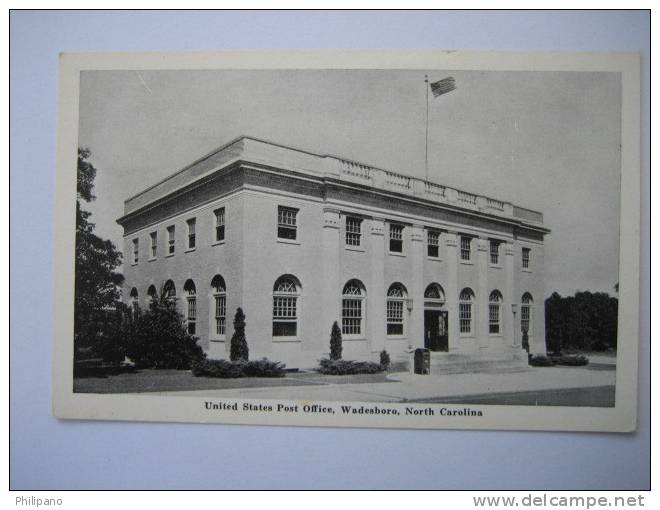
{"x": 135, "y": 303}
{"x": 396, "y": 295}
{"x": 465, "y": 300}
{"x": 494, "y": 303}
{"x": 152, "y": 293}
{"x": 219, "y": 305}
{"x": 286, "y": 292}
{"x": 191, "y": 308}
{"x": 169, "y": 290}
{"x": 434, "y": 296}
{"x": 526, "y": 304}
{"x": 352, "y": 306}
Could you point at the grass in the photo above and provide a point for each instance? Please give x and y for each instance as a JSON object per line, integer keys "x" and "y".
{"x": 154, "y": 381}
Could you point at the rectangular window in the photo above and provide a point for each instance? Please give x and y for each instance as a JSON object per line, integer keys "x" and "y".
{"x": 191, "y": 233}
{"x": 353, "y": 231}
{"x": 525, "y": 258}
{"x": 286, "y": 223}
{"x": 136, "y": 250}
{"x": 351, "y": 313}
{"x": 219, "y": 224}
{"x": 494, "y": 252}
{"x": 396, "y": 238}
{"x": 192, "y": 315}
{"x": 466, "y": 248}
{"x": 285, "y": 317}
{"x": 395, "y": 317}
{"x": 465, "y": 317}
{"x": 154, "y": 244}
{"x": 220, "y": 314}
{"x": 433, "y": 244}
{"x": 170, "y": 239}
{"x": 494, "y": 318}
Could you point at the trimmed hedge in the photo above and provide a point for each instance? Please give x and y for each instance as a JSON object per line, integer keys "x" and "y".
{"x": 345, "y": 367}
{"x": 541, "y": 361}
{"x": 224, "y": 369}
{"x": 573, "y": 360}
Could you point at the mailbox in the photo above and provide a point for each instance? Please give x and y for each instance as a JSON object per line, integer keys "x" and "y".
{"x": 422, "y": 361}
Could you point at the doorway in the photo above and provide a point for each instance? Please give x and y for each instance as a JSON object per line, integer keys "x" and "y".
{"x": 435, "y": 330}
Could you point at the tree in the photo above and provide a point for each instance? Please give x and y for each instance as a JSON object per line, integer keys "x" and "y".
{"x": 97, "y": 284}
{"x": 586, "y": 321}
{"x": 159, "y": 338}
{"x": 239, "y": 347}
{"x": 335, "y": 341}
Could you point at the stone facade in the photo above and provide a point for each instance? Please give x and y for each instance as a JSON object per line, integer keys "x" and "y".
{"x": 310, "y": 239}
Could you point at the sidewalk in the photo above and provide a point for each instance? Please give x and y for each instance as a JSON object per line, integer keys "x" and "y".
{"x": 402, "y": 387}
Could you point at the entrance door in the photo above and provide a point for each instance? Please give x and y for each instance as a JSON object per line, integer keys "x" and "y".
{"x": 435, "y": 330}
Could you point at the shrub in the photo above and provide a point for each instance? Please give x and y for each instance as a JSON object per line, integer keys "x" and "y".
{"x": 225, "y": 369}
{"x": 540, "y": 361}
{"x": 264, "y": 368}
{"x": 384, "y": 359}
{"x": 159, "y": 338}
{"x": 345, "y": 367}
{"x": 220, "y": 368}
{"x": 335, "y": 341}
{"x": 573, "y": 360}
{"x": 239, "y": 347}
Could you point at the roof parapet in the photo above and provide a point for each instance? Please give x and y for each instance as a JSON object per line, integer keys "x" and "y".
{"x": 324, "y": 165}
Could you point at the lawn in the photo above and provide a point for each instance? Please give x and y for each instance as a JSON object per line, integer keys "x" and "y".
{"x": 154, "y": 381}
{"x": 600, "y": 396}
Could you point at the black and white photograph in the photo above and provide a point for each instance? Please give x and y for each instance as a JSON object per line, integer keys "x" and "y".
{"x": 412, "y": 240}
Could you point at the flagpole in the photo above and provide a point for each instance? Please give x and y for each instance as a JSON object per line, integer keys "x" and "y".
{"x": 426, "y": 145}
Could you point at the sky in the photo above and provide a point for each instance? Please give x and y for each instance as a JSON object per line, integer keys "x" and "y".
{"x": 548, "y": 141}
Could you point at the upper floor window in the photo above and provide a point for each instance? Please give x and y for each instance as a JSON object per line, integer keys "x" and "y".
{"x": 466, "y": 248}
{"x": 219, "y": 290}
{"x": 286, "y": 222}
{"x": 285, "y": 306}
{"x": 396, "y": 296}
{"x": 136, "y": 250}
{"x": 525, "y": 258}
{"x": 465, "y": 300}
{"x": 191, "y": 233}
{"x": 219, "y": 224}
{"x": 191, "y": 308}
{"x": 433, "y": 244}
{"x": 353, "y": 231}
{"x": 494, "y": 302}
{"x": 170, "y": 239}
{"x": 154, "y": 244}
{"x": 352, "y": 308}
{"x": 494, "y": 252}
{"x": 396, "y": 238}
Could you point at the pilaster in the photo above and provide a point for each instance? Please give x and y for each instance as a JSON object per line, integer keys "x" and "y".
{"x": 511, "y": 320}
{"x": 416, "y": 291}
{"x": 331, "y": 275}
{"x": 482, "y": 293}
{"x": 451, "y": 244}
{"x": 376, "y": 324}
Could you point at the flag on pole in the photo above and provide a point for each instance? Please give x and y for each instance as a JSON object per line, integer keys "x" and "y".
{"x": 443, "y": 86}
